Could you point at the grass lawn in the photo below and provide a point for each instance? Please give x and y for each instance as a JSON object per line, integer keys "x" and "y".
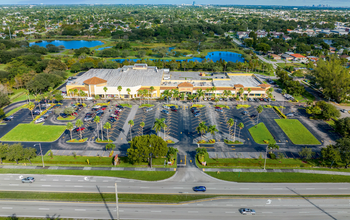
{"x": 222, "y": 106}
{"x": 34, "y": 133}
{"x": 126, "y": 105}
{"x": 279, "y": 177}
{"x": 138, "y": 175}
{"x": 260, "y": 134}
{"x": 242, "y": 106}
{"x": 296, "y": 132}
{"x": 70, "y": 117}
{"x": 146, "y": 105}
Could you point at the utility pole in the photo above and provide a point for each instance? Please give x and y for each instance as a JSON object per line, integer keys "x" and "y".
{"x": 234, "y": 132}
{"x": 265, "y": 158}
{"x": 282, "y": 105}
{"x": 116, "y": 200}
{"x": 42, "y": 156}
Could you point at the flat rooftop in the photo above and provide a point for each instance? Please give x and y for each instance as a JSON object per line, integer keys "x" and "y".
{"x": 246, "y": 81}
{"x": 194, "y": 76}
{"x": 125, "y": 77}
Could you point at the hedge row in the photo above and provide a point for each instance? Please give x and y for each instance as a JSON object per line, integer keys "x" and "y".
{"x": 279, "y": 112}
{"x": 257, "y": 165}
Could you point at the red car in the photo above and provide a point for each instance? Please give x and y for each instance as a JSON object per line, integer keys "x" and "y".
{"x": 174, "y": 109}
{"x": 80, "y": 129}
{"x": 74, "y": 113}
{"x": 103, "y": 108}
{"x": 217, "y": 107}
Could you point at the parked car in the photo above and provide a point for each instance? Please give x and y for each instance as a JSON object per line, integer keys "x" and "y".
{"x": 89, "y": 98}
{"x": 196, "y": 111}
{"x": 87, "y": 118}
{"x": 217, "y": 107}
{"x": 290, "y": 114}
{"x": 100, "y": 111}
{"x": 7, "y": 119}
{"x": 174, "y": 109}
{"x": 81, "y": 106}
{"x": 149, "y": 109}
{"x": 197, "y": 114}
{"x": 343, "y": 110}
{"x": 28, "y": 180}
{"x": 112, "y": 119}
{"x": 103, "y": 108}
{"x": 88, "y": 114}
{"x": 119, "y": 106}
{"x": 244, "y": 112}
{"x": 246, "y": 211}
{"x": 193, "y": 109}
{"x": 80, "y": 129}
{"x": 250, "y": 100}
{"x": 119, "y": 109}
{"x": 199, "y": 189}
{"x": 265, "y": 99}
{"x": 261, "y": 99}
{"x": 166, "y": 107}
{"x": 219, "y": 110}
{"x": 75, "y": 114}
{"x": 39, "y": 120}
{"x": 165, "y": 111}
{"x": 253, "y": 116}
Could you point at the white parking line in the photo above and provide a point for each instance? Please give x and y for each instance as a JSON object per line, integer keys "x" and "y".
{"x": 6, "y": 207}
{"x": 44, "y": 209}
{"x": 266, "y": 212}
{"x": 68, "y": 180}
{"x": 45, "y": 185}
{"x": 143, "y": 187}
{"x": 81, "y": 210}
{"x": 78, "y": 186}
{"x": 230, "y": 212}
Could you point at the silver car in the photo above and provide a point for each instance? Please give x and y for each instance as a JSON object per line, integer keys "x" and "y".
{"x": 28, "y": 180}
{"x": 246, "y": 211}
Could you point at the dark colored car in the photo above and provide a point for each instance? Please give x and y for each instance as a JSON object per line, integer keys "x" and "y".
{"x": 174, "y": 109}
{"x": 197, "y": 114}
{"x": 119, "y": 106}
{"x": 246, "y": 211}
{"x": 63, "y": 115}
{"x": 28, "y": 180}
{"x": 193, "y": 109}
{"x": 165, "y": 111}
{"x": 7, "y": 119}
{"x": 245, "y": 112}
{"x": 253, "y": 116}
{"x": 199, "y": 189}
{"x": 80, "y": 105}
{"x": 113, "y": 119}
{"x": 196, "y": 111}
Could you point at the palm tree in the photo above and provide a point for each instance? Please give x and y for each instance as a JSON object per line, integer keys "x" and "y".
{"x": 249, "y": 91}
{"x": 202, "y": 128}
{"x": 145, "y": 93}
{"x": 97, "y": 121}
{"x": 107, "y": 126}
{"x": 79, "y": 123}
{"x": 213, "y": 90}
{"x": 225, "y": 63}
{"x": 38, "y": 99}
{"x": 212, "y": 129}
{"x": 284, "y": 91}
{"x": 75, "y": 91}
{"x": 70, "y": 127}
{"x": 151, "y": 89}
{"x": 270, "y": 147}
{"x": 31, "y": 107}
{"x": 207, "y": 90}
{"x": 139, "y": 94}
{"x": 241, "y": 91}
{"x": 241, "y": 126}
{"x": 259, "y": 109}
{"x": 167, "y": 94}
{"x": 70, "y": 92}
{"x": 131, "y": 123}
{"x": 230, "y": 123}
{"x": 105, "y": 89}
{"x": 128, "y": 90}
{"x": 97, "y": 97}
{"x": 226, "y": 93}
{"x": 142, "y": 125}
{"x": 176, "y": 94}
{"x": 119, "y": 90}
{"x": 200, "y": 93}
{"x": 159, "y": 124}
{"x": 27, "y": 94}
{"x": 82, "y": 94}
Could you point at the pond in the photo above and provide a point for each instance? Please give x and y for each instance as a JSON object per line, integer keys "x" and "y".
{"x": 214, "y": 56}
{"x": 102, "y": 48}
{"x": 71, "y": 44}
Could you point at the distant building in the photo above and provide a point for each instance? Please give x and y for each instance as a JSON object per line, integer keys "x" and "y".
{"x": 298, "y": 57}
{"x": 194, "y": 3}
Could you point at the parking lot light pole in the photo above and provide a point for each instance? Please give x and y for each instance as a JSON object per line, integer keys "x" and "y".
{"x": 265, "y": 157}
{"x": 42, "y": 156}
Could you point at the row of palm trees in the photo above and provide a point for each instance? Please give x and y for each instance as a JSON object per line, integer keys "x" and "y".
{"x": 159, "y": 124}
{"x": 79, "y": 123}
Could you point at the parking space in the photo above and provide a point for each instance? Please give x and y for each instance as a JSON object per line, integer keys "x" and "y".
{"x": 148, "y": 117}
{"x": 172, "y": 120}
{"x": 116, "y": 126}
{"x": 194, "y": 121}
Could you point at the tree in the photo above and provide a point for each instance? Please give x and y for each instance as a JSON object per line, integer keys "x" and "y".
{"x": 270, "y": 147}
{"x": 70, "y": 127}
{"x": 107, "y": 126}
{"x": 31, "y": 107}
{"x": 38, "y": 98}
{"x": 145, "y": 147}
{"x": 342, "y": 126}
{"x": 159, "y": 124}
{"x": 171, "y": 152}
{"x": 105, "y": 89}
{"x": 151, "y": 89}
{"x": 259, "y": 109}
{"x": 128, "y": 90}
{"x": 323, "y": 110}
{"x": 79, "y": 123}
{"x": 306, "y": 153}
{"x": 119, "y": 90}
{"x": 263, "y": 47}
{"x": 142, "y": 125}
{"x": 131, "y": 123}
{"x": 230, "y": 123}
{"x": 212, "y": 130}
{"x": 241, "y": 126}
{"x": 97, "y": 121}
{"x": 110, "y": 146}
{"x": 29, "y": 153}
{"x": 202, "y": 128}
{"x": 201, "y": 151}
{"x": 15, "y": 153}
{"x": 331, "y": 153}
{"x": 343, "y": 145}
{"x": 241, "y": 91}
{"x": 3, "y": 151}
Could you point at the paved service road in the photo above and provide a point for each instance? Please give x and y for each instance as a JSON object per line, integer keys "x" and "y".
{"x": 266, "y": 209}
{"x": 182, "y": 182}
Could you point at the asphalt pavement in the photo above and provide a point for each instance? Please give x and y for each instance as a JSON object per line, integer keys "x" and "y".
{"x": 265, "y": 208}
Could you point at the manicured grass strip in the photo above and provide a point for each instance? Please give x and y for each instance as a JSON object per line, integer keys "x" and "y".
{"x": 297, "y": 132}
{"x": 34, "y": 133}
{"x": 13, "y": 111}
{"x": 126, "y": 105}
{"x": 71, "y": 117}
{"x": 242, "y": 106}
{"x": 260, "y": 133}
{"x": 97, "y": 197}
{"x": 138, "y": 175}
{"x": 279, "y": 177}
{"x": 223, "y": 106}
{"x": 146, "y": 105}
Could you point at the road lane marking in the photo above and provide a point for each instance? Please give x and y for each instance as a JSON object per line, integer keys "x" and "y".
{"x": 45, "y": 185}
{"x": 55, "y": 180}
{"x": 67, "y": 180}
{"x": 44, "y": 209}
{"x": 7, "y": 179}
{"x": 267, "y": 212}
{"x": 303, "y": 212}
{"x": 105, "y": 181}
{"x": 78, "y": 186}
{"x": 243, "y": 188}
{"x": 42, "y": 179}
{"x": 13, "y": 184}
{"x": 143, "y": 187}
{"x": 6, "y": 207}
{"x": 177, "y": 187}
{"x": 81, "y": 210}
{"x": 310, "y": 188}
{"x": 230, "y": 212}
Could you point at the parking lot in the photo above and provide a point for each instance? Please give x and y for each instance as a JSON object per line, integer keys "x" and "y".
{"x": 148, "y": 117}
{"x": 173, "y": 122}
{"x": 194, "y": 121}
{"x": 117, "y": 126}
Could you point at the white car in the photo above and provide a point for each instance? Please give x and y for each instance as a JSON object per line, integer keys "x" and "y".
{"x": 166, "y": 107}
{"x": 246, "y": 211}
{"x": 39, "y": 120}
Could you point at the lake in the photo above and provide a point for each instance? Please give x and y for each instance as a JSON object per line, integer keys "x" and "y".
{"x": 214, "y": 56}
{"x": 71, "y": 44}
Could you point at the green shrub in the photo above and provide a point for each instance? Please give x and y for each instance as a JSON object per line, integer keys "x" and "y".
{"x": 272, "y": 156}
{"x": 279, "y": 112}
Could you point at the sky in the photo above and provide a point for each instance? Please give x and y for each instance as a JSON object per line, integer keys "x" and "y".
{"x": 334, "y": 3}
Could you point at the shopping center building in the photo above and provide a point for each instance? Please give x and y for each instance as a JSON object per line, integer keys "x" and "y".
{"x": 105, "y": 82}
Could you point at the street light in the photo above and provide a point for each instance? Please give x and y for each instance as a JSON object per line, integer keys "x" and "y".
{"x": 42, "y": 156}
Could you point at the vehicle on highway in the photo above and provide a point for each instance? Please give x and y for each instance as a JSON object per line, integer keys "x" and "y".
{"x": 149, "y": 109}
{"x": 197, "y": 114}
{"x": 28, "y": 180}
{"x": 80, "y": 129}
{"x": 165, "y": 111}
{"x": 199, "y": 189}
{"x": 246, "y": 211}
{"x": 219, "y": 110}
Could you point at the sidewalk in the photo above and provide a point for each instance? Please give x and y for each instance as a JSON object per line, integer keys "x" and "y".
{"x": 277, "y": 171}
{"x": 87, "y": 168}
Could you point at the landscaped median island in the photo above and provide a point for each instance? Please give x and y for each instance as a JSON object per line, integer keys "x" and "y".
{"x": 222, "y": 106}
{"x": 272, "y": 177}
{"x": 232, "y": 142}
{"x": 126, "y": 105}
{"x": 68, "y": 118}
{"x": 198, "y": 106}
{"x": 242, "y": 106}
{"x": 34, "y": 133}
{"x": 297, "y": 132}
{"x": 261, "y": 134}
{"x": 146, "y": 105}
{"x": 77, "y": 141}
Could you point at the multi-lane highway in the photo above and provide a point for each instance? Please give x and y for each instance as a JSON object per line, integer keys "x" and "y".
{"x": 181, "y": 182}
{"x": 319, "y": 209}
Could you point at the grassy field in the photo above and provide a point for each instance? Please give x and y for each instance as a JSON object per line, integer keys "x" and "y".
{"x": 260, "y": 134}
{"x": 138, "y": 175}
{"x": 34, "y": 133}
{"x": 296, "y": 132}
{"x": 279, "y": 177}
